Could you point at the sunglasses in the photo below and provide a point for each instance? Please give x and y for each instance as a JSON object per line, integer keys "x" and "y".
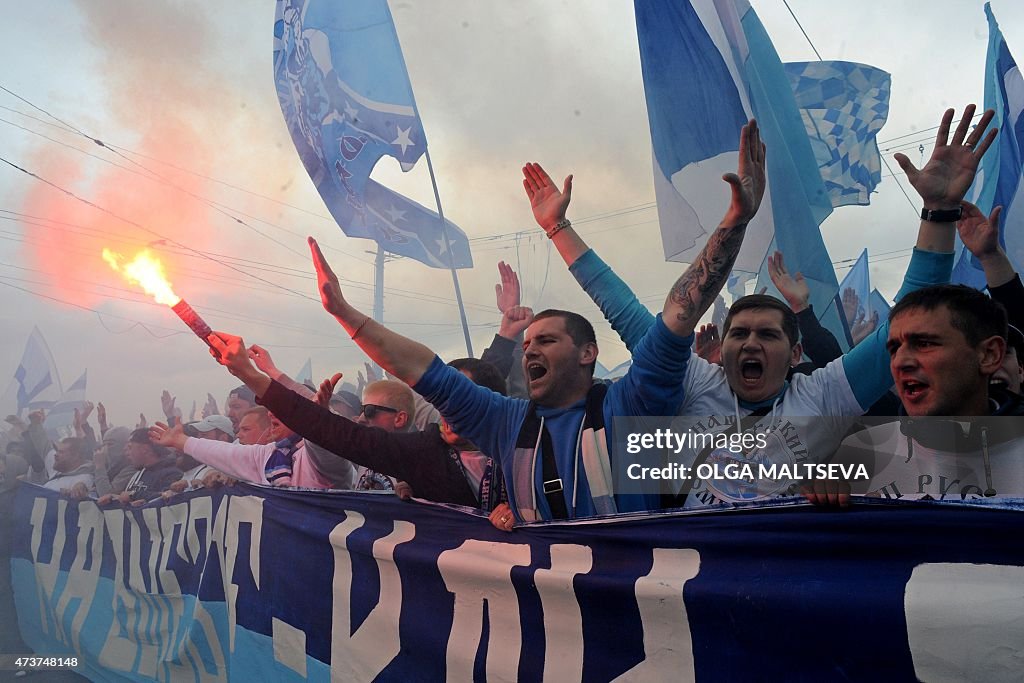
{"x": 370, "y": 410}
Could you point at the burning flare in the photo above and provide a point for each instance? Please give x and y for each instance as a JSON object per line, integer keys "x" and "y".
{"x": 146, "y": 271}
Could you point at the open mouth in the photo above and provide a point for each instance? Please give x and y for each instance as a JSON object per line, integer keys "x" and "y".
{"x": 999, "y": 383}
{"x": 913, "y": 389}
{"x": 536, "y": 371}
{"x": 751, "y": 370}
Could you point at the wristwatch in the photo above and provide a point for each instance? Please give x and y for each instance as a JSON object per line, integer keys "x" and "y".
{"x": 942, "y": 215}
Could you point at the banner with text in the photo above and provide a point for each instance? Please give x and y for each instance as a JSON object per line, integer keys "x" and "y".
{"x": 266, "y": 584}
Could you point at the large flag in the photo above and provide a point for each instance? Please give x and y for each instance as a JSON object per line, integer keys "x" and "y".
{"x": 998, "y": 182}
{"x": 347, "y": 101}
{"x": 708, "y": 66}
{"x": 36, "y": 382}
{"x": 61, "y": 418}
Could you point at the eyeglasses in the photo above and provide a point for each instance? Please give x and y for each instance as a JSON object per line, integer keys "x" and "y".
{"x": 370, "y": 410}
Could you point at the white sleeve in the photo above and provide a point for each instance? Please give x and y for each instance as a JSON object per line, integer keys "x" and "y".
{"x": 247, "y": 463}
{"x": 829, "y": 388}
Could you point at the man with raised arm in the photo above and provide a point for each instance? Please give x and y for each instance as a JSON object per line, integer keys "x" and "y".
{"x": 760, "y": 335}
{"x": 554, "y": 448}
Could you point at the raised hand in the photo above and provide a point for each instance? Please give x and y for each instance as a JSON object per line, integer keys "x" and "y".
{"x": 326, "y": 281}
{"x": 37, "y": 417}
{"x": 708, "y": 344}
{"x": 794, "y": 288}
{"x": 507, "y": 291}
{"x": 851, "y": 305}
{"x": 748, "y": 182}
{"x": 172, "y": 437}
{"x": 231, "y": 352}
{"x": 142, "y": 423}
{"x": 863, "y": 326}
{"x": 263, "y": 360}
{"x": 979, "y": 234}
{"x": 167, "y": 404}
{"x": 210, "y": 408}
{"x": 514, "y": 321}
{"x": 101, "y": 417}
{"x": 371, "y": 373}
{"x": 326, "y": 390}
{"x": 548, "y": 204}
{"x": 87, "y": 409}
{"x": 949, "y": 172}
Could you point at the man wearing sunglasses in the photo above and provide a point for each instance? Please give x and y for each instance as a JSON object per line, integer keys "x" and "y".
{"x": 388, "y": 405}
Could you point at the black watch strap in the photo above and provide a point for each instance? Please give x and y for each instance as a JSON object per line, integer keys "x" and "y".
{"x": 942, "y": 215}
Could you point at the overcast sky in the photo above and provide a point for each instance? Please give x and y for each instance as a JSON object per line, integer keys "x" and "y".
{"x": 183, "y": 92}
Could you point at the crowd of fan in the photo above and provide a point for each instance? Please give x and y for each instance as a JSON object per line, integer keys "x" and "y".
{"x": 525, "y": 432}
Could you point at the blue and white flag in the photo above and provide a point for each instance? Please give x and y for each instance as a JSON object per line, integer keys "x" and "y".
{"x": 407, "y": 228}
{"x": 61, "y": 419}
{"x": 36, "y": 382}
{"x": 998, "y": 182}
{"x": 843, "y": 105}
{"x": 708, "y": 66}
{"x": 346, "y": 97}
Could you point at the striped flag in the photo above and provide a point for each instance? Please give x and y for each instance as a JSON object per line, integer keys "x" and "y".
{"x": 998, "y": 182}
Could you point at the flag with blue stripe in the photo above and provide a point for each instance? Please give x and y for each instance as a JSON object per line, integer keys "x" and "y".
{"x": 708, "y": 67}
{"x": 346, "y": 97}
{"x": 998, "y": 182}
{"x": 36, "y": 382}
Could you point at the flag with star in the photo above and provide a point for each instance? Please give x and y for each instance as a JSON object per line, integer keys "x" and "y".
{"x": 407, "y": 228}
{"x": 345, "y": 93}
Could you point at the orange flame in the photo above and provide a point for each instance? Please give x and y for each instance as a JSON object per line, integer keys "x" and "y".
{"x": 146, "y": 271}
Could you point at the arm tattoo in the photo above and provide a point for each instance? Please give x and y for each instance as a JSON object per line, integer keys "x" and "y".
{"x": 696, "y": 289}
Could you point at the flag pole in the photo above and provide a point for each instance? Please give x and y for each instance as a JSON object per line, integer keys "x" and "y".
{"x": 451, "y": 257}
{"x": 378, "y": 287}
{"x": 437, "y": 195}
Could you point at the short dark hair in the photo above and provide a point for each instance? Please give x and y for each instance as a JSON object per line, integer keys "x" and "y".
{"x": 790, "y": 325}
{"x": 142, "y": 436}
{"x": 579, "y": 328}
{"x": 974, "y": 314}
{"x": 245, "y": 393}
{"x": 483, "y": 373}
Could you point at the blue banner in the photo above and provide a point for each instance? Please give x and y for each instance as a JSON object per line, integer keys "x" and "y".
{"x": 269, "y": 584}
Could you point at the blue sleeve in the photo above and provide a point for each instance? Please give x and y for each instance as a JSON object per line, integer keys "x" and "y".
{"x": 867, "y": 364}
{"x": 491, "y": 421}
{"x": 654, "y": 383}
{"x": 628, "y": 317}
